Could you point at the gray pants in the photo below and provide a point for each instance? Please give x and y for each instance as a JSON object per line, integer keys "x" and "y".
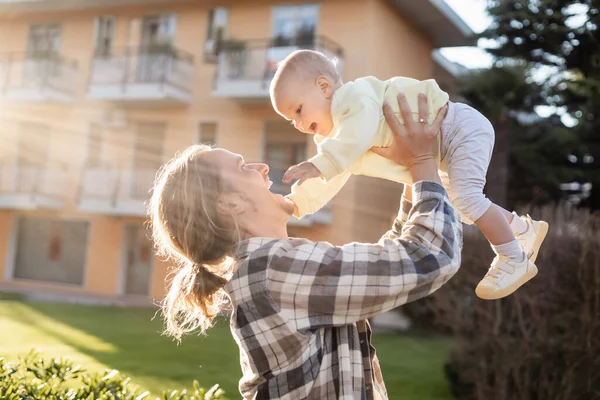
{"x": 466, "y": 151}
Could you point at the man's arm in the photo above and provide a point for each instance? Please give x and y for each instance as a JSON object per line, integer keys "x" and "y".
{"x": 406, "y": 206}
{"x": 323, "y": 285}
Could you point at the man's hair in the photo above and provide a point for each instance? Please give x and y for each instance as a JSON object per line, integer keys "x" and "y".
{"x": 188, "y": 231}
{"x": 304, "y": 64}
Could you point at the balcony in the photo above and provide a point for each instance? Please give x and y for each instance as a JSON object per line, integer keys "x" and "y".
{"x": 48, "y": 77}
{"x": 112, "y": 191}
{"x": 20, "y": 6}
{"x": 245, "y": 68}
{"x": 159, "y": 75}
{"x": 32, "y": 186}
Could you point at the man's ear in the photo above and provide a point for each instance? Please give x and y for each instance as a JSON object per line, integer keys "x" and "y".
{"x": 231, "y": 204}
{"x": 325, "y": 85}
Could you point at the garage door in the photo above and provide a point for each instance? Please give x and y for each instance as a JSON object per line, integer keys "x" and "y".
{"x": 51, "y": 250}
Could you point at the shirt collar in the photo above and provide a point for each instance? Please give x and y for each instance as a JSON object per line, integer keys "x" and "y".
{"x": 249, "y": 246}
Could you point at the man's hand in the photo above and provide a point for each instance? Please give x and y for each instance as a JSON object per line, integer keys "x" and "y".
{"x": 414, "y": 142}
{"x": 303, "y": 171}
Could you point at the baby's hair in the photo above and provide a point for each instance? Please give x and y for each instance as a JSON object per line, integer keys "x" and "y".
{"x": 306, "y": 64}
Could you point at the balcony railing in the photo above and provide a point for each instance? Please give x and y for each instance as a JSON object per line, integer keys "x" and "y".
{"x": 109, "y": 190}
{"x": 39, "y": 77}
{"x": 160, "y": 74}
{"x": 27, "y": 186}
{"x": 245, "y": 68}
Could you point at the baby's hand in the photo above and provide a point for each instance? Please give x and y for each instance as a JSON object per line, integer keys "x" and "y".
{"x": 303, "y": 171}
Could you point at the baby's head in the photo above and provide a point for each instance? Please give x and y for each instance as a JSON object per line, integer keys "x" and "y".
{"x": 302, "y": 89}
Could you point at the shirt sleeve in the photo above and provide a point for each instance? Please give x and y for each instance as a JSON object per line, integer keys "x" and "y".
{"x": 315, "y": 193}
{"x": 353, "y": 136}
{"x": 402, "y": 218}
{"x": 318, "y": 284}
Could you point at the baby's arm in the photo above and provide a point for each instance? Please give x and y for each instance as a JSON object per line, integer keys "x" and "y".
{"x": 353, "y": 137}
{"x": 314, "y": 194}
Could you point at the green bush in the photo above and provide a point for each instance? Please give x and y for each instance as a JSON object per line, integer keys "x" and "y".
{"x": 33, "y": 378}
{"x": 542, "y": 342}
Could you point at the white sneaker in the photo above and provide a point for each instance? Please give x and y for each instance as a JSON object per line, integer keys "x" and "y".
{"x": 532, "y": 238}
{"x": 504, "y": 277}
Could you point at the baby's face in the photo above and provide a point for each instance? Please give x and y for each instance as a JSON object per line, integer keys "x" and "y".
{"x": 306, "y": 105}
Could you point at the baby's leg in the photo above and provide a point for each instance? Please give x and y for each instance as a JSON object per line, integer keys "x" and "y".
{"x": 494, "y": 223}
{"x": 467, "y": 144}
{"x": 468, "y": 140}
{"x": 493, "y": 227}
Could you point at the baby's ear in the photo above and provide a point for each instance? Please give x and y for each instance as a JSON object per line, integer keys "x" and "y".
{"x": 325, "y": 85}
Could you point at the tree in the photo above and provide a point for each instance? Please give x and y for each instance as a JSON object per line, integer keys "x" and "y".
{"x": 539, "y": 160}
{"x": 551, "y": 36}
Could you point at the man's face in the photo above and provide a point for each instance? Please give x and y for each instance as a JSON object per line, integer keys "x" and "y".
{"x": 250, "y": 183}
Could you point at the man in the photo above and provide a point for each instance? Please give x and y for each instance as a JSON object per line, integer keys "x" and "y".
{"x": 299, "y": 308}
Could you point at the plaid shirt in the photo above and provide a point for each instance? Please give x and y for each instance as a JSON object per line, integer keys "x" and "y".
{"x": 300, "y": 307}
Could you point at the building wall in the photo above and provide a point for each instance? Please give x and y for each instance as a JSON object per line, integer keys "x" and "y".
{"x": 376, "y": 39}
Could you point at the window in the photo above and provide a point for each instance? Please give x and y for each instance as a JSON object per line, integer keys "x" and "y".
{"x": 216, "y": 32}
{"x": 207, "y": 133}
{"x": 94, "y": 159}
{"x": 284, "y": 147}
{"x": 105, "y": 35}
{"x": 43, "y": 41}
{"x": 158, "y": 30}
{"x": 32, "y": 156}
{"x": 295, "y": 25}
{"x": 149, "y": 142}
{"x": 147, "y": 157}
{"x": 279, "y": 157}
{"x": 41, "y": 61}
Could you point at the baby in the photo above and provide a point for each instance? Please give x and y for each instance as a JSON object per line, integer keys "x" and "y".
{"x": 347, "y": 120}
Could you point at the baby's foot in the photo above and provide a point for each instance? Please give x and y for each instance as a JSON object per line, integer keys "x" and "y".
{"x": 504, "y": 277}
{"x": 532, "y": 238}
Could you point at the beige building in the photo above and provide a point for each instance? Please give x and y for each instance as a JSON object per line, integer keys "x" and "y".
{"x": 95, "y": 95}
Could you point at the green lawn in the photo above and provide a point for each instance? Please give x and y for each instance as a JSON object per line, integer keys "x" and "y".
{"x": 130, "y": 340}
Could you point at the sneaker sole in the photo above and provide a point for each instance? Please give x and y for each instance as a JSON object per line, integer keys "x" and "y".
{"x": 541, "y": 229}
{"x": 530, "y": 274}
